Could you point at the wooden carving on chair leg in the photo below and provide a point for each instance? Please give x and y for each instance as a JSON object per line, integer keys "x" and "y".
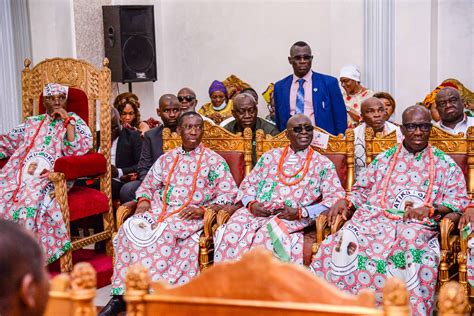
{"x": 83, "y": 285}
{"x": 137, "y": 283}
{"x": 453, "y": 300}
{"x": 396, "y": 298}
{"x": 60, "y": 189}
{"x": 73, "y": 295}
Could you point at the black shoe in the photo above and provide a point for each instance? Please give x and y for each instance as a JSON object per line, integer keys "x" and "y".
{"x": 115, "y": 306}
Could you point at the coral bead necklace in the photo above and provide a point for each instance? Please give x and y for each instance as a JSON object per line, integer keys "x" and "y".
{"x": 304, "y": 168}
{"x": 389, "y": 174}
{"x": 163, "y": 214}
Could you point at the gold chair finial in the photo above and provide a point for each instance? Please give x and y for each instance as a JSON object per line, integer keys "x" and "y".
{"x": 83, "y": 276}
{"x": 137, "y": 278}
{"x": 452, "y": 299}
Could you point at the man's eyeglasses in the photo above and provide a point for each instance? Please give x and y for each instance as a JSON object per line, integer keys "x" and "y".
{"x": 299, "y": 129}
{"x": 52, "y": 98}
{"x": 304, "y": 57}
{"x": 424, "y": 127}
{"x": 187, "y": 98}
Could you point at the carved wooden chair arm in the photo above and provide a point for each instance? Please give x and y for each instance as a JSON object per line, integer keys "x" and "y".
{"x": 60, "y": 191}
{"x": 447, "y": 226}
{"x": 321, "y": 225}
{"x": 125, "y": 211}
{"x": 337, "y": 224}
{"x": 222, "y": 217}
{"x": 209, "y": 220}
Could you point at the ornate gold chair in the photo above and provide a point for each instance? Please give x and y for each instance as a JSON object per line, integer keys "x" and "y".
{"x": 340, "y": 151}
{"x": 456, "y": 146}
{"x": 87, "y": 87}
{"x": 71, "y": 295}
{"x": 462, "y": 255}
{"x": 258, "y": 284}
{"x": 236, "y": 149}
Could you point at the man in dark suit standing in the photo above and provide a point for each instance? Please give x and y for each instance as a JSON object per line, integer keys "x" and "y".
{"x": 168, "y": 110}
{"x": 125, "y": 153}
{"x": 310, "y": 93}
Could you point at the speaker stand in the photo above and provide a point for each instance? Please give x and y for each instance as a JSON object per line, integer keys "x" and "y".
{"x": 129, "y": 87}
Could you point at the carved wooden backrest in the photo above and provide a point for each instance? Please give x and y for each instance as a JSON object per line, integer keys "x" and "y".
{"x": 459, "y": 147}
{"x": 219, "y": 140}
{"x": 338, "y": 146}
{"x": 73, "y": 295}
{"x": 95, "y": 83}
{"x": 258, "y": 284}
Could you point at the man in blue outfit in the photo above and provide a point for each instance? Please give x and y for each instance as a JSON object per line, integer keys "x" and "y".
{"x": 310, "y": 93}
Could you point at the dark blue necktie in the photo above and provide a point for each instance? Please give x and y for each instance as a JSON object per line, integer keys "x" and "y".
{"x": 300, "y": 98}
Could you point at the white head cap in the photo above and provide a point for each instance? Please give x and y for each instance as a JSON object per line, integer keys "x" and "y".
{"x": 351, "y": 72}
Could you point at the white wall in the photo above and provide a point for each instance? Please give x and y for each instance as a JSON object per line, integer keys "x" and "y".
{"x": 412, "y": 52}
{"x": 202, "y": 40}
{"x": 199, "y": 41}
{"x": 456, "y": 41}
{"x": 52, "y": 29}
{"x": 433, "y": 42}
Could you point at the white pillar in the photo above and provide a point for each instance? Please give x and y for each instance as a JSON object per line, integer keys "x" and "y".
{"x": 379, "y": 45}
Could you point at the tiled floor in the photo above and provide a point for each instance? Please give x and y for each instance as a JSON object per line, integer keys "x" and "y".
{"x": 102, "y": 296}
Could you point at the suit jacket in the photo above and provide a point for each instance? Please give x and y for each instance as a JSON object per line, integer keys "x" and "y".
{"x": 129, "y": 148}
{"x": 328, "y": 104}
{"x": 151, "y": 150}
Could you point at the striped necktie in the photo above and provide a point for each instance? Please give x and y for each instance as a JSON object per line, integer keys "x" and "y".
{"x": 300, "y": 97}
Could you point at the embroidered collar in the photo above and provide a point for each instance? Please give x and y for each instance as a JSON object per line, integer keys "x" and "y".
{"x": 220, "y": 107}
{"x": 418, "y": 155}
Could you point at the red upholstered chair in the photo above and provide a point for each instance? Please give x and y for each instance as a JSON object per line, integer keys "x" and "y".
{"x": 88, "y": 88}
{"x": 3, "y": 162}
{"x": 236, "y": 149}
{"x": 460, "y": 148}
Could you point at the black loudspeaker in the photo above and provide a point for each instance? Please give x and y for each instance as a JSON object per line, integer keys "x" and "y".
{"x": 129, "y": 40}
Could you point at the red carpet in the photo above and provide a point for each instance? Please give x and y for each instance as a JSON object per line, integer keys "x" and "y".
{"x": 100, "y": 261}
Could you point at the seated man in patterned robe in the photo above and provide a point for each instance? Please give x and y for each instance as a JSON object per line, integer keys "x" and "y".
{"x": 373, "y": 113}
{"x": 26, "y": 194}
{"x": 280, "y": 198}
{"x": 163, "y": 235}
{"x": 399, "y": 201}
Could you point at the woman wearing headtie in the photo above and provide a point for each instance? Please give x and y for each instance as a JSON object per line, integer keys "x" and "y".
{"x": 129, "y": 108}
{"x": 389, "y": 104}
{"x": 220, "y": 106}
{"x": 467, "y": 96}
{"x": 353, "y": 93}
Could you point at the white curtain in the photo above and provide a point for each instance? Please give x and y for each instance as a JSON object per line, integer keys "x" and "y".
{"x": 379, "y": 45}
{"x": 15, "y": 46}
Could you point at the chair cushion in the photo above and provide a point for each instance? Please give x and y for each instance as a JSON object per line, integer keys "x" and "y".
{"x": 84, "y": 202}
{"x": 88, "y": 165}
{"x": 3, "y": 162}
{"x": 236, "y": 162}
{"x": 339, "y": 160}
{"x": 76, "y": 102}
